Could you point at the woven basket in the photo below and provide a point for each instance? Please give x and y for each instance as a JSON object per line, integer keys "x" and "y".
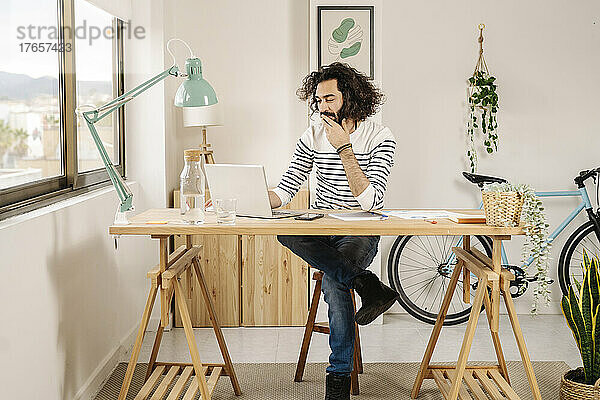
{"x": 502, "y": 208}
{"x": 571, "y": 390}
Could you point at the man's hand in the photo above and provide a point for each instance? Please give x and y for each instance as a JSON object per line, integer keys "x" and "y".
{"x": 336, "y": 135}
{"x": 274, "y": 199}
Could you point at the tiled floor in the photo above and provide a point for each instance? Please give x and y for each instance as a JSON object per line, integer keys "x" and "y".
{"x": 400, "y": 339}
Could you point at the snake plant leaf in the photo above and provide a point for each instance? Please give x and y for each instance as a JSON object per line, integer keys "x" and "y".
{"x": 566, "y": 309}
{"x": 596, "y": 340}
{"x": 586, "y": 258}
{"x": 594, "y": 283}
{"x": 586, "y": 341}
{"x": 576, "y": 283}
{"x": 585, "y": 302}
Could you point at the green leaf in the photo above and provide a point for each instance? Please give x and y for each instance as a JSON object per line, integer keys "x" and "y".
{"x": 596, "y": 348}
{"x": 594, "y": 283}
{"x": 585, "y": 299}
{"x": 566, "y": 309}
{"x": 585, "y": 341}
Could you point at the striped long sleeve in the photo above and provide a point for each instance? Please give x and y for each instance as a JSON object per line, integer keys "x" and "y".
{"x": 381, "y": 161}
{"x": 373, "y": 147}
{"x": 297, "y": 172}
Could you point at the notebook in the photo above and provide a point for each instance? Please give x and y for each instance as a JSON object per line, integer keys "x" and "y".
{"x": 467, "y": 218}
{"x": 359, "y": 216}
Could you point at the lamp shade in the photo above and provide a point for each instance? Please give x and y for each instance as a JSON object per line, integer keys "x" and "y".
{"x": 203, "y": 116}
{"x": 195, "y": 91}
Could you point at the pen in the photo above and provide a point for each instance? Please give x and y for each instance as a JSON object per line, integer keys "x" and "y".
{"x": 431, "y": 221}
{"x": 380, "y": 214}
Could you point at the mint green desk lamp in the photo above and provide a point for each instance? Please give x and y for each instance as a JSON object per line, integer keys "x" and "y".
{"x": 195, "y": 91}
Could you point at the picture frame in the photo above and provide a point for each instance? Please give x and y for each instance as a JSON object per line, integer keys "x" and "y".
{"x": 346, "y": 34}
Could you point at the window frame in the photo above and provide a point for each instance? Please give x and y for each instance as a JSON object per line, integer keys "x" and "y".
{"x": 29, "y": 196}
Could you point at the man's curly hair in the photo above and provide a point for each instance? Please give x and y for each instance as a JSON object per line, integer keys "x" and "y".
{"x": 361, "y": 99}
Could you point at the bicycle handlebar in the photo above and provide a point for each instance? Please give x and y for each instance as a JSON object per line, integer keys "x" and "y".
{"x": 585, "y": 175}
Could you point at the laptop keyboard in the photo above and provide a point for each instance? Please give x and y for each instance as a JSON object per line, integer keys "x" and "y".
{"x": 282, "y": 212}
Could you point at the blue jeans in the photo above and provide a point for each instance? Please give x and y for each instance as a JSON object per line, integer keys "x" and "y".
{"x": 341, "y": 258}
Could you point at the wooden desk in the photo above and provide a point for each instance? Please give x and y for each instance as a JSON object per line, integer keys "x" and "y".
{"x": 183, "y": 259}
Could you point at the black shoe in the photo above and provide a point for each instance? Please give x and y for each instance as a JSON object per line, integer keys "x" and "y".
{"x": 376, "y": 298}
{"x": 337, "y": 387}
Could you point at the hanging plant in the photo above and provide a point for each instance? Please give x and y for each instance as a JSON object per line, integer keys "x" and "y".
{"x": 536, "y": 243}
{"x": 483, "y": 102}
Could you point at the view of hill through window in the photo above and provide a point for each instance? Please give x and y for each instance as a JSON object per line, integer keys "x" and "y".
{"x": 30, "y": 124}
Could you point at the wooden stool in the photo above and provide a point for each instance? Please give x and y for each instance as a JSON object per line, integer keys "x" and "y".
{"x": 323, "y": 327}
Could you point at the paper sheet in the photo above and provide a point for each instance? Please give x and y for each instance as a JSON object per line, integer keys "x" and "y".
{"x": 358, "y": 216}
{"x": 419, "y": 214}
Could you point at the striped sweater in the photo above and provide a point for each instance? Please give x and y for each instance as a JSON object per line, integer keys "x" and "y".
{"x": 373, "y": 146}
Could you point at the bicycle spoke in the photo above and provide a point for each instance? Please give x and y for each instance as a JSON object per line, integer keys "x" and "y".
{"x": 418, "y": 262}
{"x": 593, "y": 244}
{"x": 412, "y": 285}
{"x": 412, "y": 276}
{"x": 420, "y": 254}
{"x": 429, "y": 291}
{"x": 429, "y": 285}
{"x": 431, "y": 269}
{"x": 423, "y": 247}
{"x": 449, "y": 248}
{"x": 427, "y": 250}
{"x": 430, "y": 260}
{"x": 435, "y": 297}
{"x": 587, "y": 249}
{"x": 439, "y": 246}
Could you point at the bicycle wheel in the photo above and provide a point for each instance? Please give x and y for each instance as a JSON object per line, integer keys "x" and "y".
{"x": 571, "y": 255}
{"x": 419, "y": 269}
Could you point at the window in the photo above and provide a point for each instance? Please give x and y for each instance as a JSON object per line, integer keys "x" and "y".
{"x": 56, "y": 62}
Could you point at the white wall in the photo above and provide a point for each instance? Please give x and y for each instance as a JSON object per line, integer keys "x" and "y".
{"x": 254, "y": 53}
{"x": 71, "y": 302}
{"x": 540, "y": 51}
{"x": 145, "y": 116}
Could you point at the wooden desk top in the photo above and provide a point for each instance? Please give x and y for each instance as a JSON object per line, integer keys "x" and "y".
{"x": 327, "y": 225}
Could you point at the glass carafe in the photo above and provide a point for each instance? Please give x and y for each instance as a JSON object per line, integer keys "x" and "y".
{"x": 192, "y": 186}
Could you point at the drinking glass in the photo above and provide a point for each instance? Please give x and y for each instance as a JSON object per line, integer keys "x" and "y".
{"x": 225, "y": 209}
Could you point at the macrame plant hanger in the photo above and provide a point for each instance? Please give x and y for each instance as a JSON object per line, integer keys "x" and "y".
{"x": 488, "y": 110}
{"x": 481, "y": 65}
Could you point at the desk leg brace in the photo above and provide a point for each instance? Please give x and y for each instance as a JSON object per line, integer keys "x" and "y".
{"x": 156, "y": 369}
{"x": 138, "y": 342}
{"x": 449, "y": 378}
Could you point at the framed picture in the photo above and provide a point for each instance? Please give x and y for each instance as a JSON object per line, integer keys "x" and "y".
{"x": 345, "y": 34}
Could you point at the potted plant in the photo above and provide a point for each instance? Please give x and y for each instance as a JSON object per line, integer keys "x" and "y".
{"x": 581, "y": 310}
{"x": 505, "y": 204}
{"x": 483, "y": 101}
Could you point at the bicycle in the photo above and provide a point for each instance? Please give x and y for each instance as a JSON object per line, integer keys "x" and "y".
{"x": 419, "y": 267}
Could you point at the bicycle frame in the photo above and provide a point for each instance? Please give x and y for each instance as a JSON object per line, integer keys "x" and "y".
{"x": 584, "y": 205}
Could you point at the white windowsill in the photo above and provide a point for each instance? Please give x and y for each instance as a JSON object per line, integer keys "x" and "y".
{"x": 17, "y": 219}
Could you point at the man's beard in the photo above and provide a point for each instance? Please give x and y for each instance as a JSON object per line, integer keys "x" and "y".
{"x": 337, "y": 118}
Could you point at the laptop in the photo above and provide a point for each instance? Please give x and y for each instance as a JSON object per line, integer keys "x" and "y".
{"x": 247, "y": 184}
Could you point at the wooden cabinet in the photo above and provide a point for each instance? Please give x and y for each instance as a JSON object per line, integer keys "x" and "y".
{"x": 274, "y": 284}
{"x": 253, "y": 280}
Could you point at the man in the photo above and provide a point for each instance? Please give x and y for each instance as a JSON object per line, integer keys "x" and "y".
{"x": 353, "y": 158}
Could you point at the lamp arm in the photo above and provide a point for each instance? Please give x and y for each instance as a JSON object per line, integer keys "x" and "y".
{"x": 95, "y": 115}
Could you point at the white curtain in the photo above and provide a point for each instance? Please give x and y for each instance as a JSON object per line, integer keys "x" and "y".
{"x": 119, "y": 8}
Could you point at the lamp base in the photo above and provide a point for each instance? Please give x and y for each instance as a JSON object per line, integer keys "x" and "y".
{"x": 121, "y": 217}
